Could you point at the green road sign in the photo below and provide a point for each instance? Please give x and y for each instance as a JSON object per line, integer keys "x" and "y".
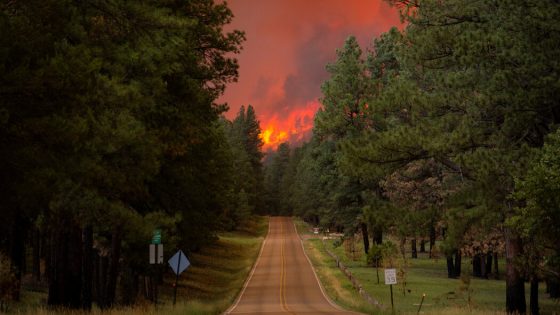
{"x": 156, "y": 238}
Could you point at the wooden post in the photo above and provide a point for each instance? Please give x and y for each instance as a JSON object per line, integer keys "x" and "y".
{"x": 421, "y": 302}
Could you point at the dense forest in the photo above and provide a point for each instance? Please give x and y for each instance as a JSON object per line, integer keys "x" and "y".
{"x": 109, "y": 130}
{"x": 446, "y": 129}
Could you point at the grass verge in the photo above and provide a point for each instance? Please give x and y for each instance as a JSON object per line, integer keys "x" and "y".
{"x": 429, "y": 276}
{"x": 209, "y": 286}
{"x": 336, "y": 285}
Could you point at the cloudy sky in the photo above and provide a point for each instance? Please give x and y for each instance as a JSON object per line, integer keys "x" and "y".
{"x": 289, "y": 43}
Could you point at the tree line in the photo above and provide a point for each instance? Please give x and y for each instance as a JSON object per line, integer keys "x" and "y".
{"x": 445, "y": 129}
{"x": 110, "y": 129}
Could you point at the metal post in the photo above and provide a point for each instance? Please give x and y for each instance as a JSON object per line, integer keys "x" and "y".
{"x": 155, "y": 283}
{"x": 392, "y": 304}
{"x": 176, "y": 280}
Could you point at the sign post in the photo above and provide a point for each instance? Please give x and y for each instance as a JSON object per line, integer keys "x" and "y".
{"x": 178, "y": 263}
{"x": 390, "y": 279}
{"x": 156, "y": 258}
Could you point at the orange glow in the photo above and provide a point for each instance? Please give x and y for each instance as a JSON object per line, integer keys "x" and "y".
{"x": 295, "y": 128}
{"x": 282, "y": 64}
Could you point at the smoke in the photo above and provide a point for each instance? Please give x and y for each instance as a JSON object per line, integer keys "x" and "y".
{"x": 289, "y": 43}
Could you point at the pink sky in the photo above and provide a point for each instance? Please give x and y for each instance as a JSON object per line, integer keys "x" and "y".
{"x": 289, "y": 43}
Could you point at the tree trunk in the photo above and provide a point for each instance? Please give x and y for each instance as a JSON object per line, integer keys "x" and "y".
{"x": 432, "y": 239}
{"x": 496, "y": 269}
{"x": 75, "y": 260}
{"x": 87, "y": 271}
{"x": 553, "y": 285}
{"x": 65, "y": 282}
{"x": 423, "y": 246}
{"x": 365, "y": 236}
{"x": 102, "y": 282}
{"x": 477, "y": 270}
{"x": 113, "y": 273}
{"x": 534, "y": 298}
{"x": 128, "y": 284}
{"x": 95, "y": 294}
{"x": 17, "y": 253}
{"x": 402, "y": 248}
{"x": 56, "y": 257}
{"x": 457, "y": 272}
{"x": 36, "y": 255}
{"x": 413, "y": 248}
{"x": 44, "y": 254}
{"x": 488, "y": 265}
{"x": 482, "y": 266}
{"x": 515, "y": 287}
{"x": 377, "y": 235}
{"x": 450, "y": 267}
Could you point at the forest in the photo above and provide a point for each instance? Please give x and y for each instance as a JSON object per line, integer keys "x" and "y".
{"x": 446, "y": 129}
{"x": 110, "y": 128}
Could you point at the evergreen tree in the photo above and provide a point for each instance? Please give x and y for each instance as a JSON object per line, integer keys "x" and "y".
{"x": 108, "y": 117}
{"x": 277, "y": 201}
{"x": 246, "y": 144}
{"x": 470, "y": 94}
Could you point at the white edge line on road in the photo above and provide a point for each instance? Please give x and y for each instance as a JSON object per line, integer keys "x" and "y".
{"x": 231, "y": 308}
{"x": 317, "y": 278}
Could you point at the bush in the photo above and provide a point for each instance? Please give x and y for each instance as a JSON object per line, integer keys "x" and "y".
{"x": 382, "y": 255}
{"x": 337, "y": 242}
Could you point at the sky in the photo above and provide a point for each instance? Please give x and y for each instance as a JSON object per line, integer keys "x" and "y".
{"x": 282, "y": 64}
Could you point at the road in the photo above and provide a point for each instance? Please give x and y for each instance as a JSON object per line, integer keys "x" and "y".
{"x": 283, "y": 281}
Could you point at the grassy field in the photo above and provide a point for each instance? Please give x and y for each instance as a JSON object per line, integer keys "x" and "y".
{"x": 429, "y": 276}
{"x": 209, "y": 286}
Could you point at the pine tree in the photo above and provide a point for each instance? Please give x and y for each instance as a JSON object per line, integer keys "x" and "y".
{"x": 97, "y": 135}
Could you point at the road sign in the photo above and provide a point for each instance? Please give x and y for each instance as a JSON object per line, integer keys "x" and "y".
{"x": 390, "y": 276}
{"x": 156, "y": 237}
{"x": 179, "y": 262}
{"x": 156, "y": 254}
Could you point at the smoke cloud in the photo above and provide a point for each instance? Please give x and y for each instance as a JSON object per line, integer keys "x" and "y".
{"x": 289, "y": 43}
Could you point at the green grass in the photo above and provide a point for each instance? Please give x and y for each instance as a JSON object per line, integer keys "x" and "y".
{"x": 209, "y": 286}
{"x": 337, "y": 286}
{"x": 429, "y": 276}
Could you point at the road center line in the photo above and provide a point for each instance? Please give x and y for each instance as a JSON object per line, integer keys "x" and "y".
{"x": 283, "y": 272}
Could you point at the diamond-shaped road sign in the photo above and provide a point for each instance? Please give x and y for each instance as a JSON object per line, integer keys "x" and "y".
{"x": 179, "y": 262}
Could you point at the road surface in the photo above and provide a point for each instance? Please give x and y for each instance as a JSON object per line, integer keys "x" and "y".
{"x": 283, "y": 281}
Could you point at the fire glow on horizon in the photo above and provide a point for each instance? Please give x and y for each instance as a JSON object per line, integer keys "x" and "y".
{"x": 295, "y": 128}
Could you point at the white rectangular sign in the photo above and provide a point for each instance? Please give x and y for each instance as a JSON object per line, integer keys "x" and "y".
{"x": 390, "y": 276}
{"x": 156, "y": 254}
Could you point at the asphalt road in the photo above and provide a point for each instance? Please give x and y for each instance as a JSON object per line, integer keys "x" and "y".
{"x": 283, "y": 280}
